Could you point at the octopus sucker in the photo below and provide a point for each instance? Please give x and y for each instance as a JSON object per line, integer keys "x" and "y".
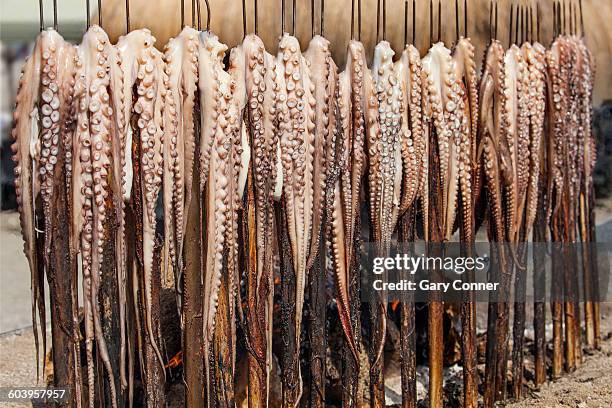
{"x": 297, "y": 140}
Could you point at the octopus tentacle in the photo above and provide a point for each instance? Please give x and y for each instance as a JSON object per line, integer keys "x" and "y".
{"x": 408, "y": 70}
{"x": 24, "y": 148}
{"x": 322, "y": 67}
{"x": 297, "y": 155}
{"x": 151, "y": 91}
{"x": 261, "y": 113}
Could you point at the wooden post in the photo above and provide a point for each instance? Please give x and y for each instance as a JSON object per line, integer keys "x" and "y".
{"x": 539, "y": 282}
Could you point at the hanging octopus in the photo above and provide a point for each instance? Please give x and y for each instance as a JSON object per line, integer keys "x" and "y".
{"x": 181, "y": 58}
{"x": 91, "y": 189}
{"x": 297, "y": 141}
{"x": 222, "y": 101}
{"x": 446, "y": 107}
{"x": 408, "y": 71}
{"x": 260, "y": 77}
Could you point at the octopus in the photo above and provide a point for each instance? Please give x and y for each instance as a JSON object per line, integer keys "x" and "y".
{"x": 384, "y": 144}
{"x": 492, "y": 152}
{"x": 261, "y": 130}
{"x": 516, "y": 124}
{"x": 535, "y": 58}
{"x": 223, "y": 98}
{"x": 91, "y": 187}
{"x": 297, "y": 106}
{"x": 445, "y": 105}
{"x": 40, "y": 128}
{"x": 347, "y": 186}
{"x": 409, "y": 72}
{"x": 324, "y": 76}
{"x": 181, "y": 58}
{"x": 465, "y": 72}
{"x": 125, "y": 69}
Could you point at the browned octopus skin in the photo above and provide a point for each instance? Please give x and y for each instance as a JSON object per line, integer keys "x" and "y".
{"x": 260, "y": 77}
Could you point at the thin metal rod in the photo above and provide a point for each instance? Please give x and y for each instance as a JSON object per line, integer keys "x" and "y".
{"x": 282, "y": 17}
{"x": 352, "y": 19}
{"x": 457, "y": 20}
{"x": 199, "y": 11}
{"x": 244, "y": 18}
{"x": 430, "y": 22}
{"x": 88, "y": 13}
{"x": 538, "y": 21}
{"x": 127, "y": 15}
{"x": 193, "y": 13}
{"x": 531, "y": 37}
{"x": 312, "y": 15}
{"x": 182, "y": 12}
{"x": 496, "y": 19}
{"x": 439, "y": 20}
{"x": 55, "y": 15}
{"x": 491, "y": 21}
{"x": 377, "y": 19}
{"x": 293, "y": 18}
{"x": 256, "y": 17}
{"x": 100, "y": 13}
{"x": 564, "y": 19}
{"x": 413, "y": 22}
{"x": 322, "y": 18}
{"x": 42, "y": 18}
{"x": 511, "y": 22}
{"x": 581, "y": 19}
{"x": 359, "y": 20}
{"x": 207, "y": 15}
{"x": 384, "y": 22}
{"x": 465, "y": 19}
{"x": 405, "y": 22}
{"x": 516, "y": 29}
